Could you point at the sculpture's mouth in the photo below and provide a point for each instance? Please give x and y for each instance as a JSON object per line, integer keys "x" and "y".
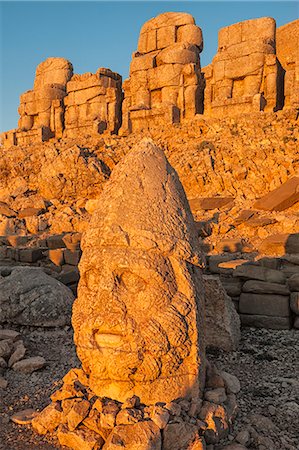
{"x": 109, "y": 340}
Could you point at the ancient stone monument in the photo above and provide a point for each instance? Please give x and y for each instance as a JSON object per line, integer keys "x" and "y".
{"x": 287, "y": 48}
{"x": 244, "y": 74}
{"x": 165, "y": 80}
{"x": 64, "y": 105}
{"x": 93, "y": 103}
{"x": 255, "y": 69}
{"x": 138, "y": 319}
{"x": 138, "y": 316}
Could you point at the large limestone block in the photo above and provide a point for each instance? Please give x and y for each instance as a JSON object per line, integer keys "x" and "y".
{"x": 30, "y": 297}
{"x": 262, "y": 29}
{"x": 222, "y": 320}
{"x": 281, "y": 198}
{"x": 166, "y": 36}
{"x": 242, "y": 49}
{"x": 165, "y": 75}
{"x": 143, "y": 62}
{"x": 244, "y": 65}
{"x": 178, "y": 54}
{"x": 53, "y": 71}
{"x": 190, "y": 33}
{"x": 167, "y": 19}
{"x": 138, "y": 319}
{"x": 264, "y": 304}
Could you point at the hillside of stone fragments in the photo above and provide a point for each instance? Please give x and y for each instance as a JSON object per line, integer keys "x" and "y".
{"x": 228, "y": 168}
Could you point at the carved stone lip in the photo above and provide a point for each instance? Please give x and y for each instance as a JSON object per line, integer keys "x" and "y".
{"x": 110, "y": 340}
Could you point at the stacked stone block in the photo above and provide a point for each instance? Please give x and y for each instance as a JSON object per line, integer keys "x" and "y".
{"x": 243, "y": 75}
{"x": 165, "y": 80}
{"x": 93, "y": 103}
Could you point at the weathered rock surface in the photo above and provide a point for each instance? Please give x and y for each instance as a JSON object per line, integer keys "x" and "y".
{"x": 30, "y": 297}
{"x": 138, "y": 292}
{"x": 222, "y": 320}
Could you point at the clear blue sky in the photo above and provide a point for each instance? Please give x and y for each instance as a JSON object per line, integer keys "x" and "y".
{"x": 101, "y": 34}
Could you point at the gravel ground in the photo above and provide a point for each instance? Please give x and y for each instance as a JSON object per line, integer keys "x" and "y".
{"x": 266, "y": 365}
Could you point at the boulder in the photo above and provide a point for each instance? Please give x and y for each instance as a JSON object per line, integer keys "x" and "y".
{"x": 138, "y": 436}
{"x": 182, "y": 436}
{"x": 281, "y": 198}
{"x": 30, "y": 297}
{"x": 222, "y": 320}
{"x": 264, "y": 304}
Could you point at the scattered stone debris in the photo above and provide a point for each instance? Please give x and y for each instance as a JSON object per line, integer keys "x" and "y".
{"x": 12, "y": 352}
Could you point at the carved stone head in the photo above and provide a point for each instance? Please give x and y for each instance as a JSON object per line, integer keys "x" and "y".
{"x": 138, "y": 316}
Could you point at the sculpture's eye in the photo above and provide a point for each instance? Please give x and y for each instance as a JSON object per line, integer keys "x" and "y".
{"x": 132, "y": 282}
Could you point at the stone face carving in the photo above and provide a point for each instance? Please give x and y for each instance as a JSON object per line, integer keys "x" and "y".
{"x": 243, "y": 75}
{"x": 138, "y": 317}
{"x": 165, "y": 77}
{"x": 287, "y": 47}
{"x": 93, "y": 103}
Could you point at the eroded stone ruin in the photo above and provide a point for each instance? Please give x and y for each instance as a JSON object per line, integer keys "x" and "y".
{"x": 255, "y": 69}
